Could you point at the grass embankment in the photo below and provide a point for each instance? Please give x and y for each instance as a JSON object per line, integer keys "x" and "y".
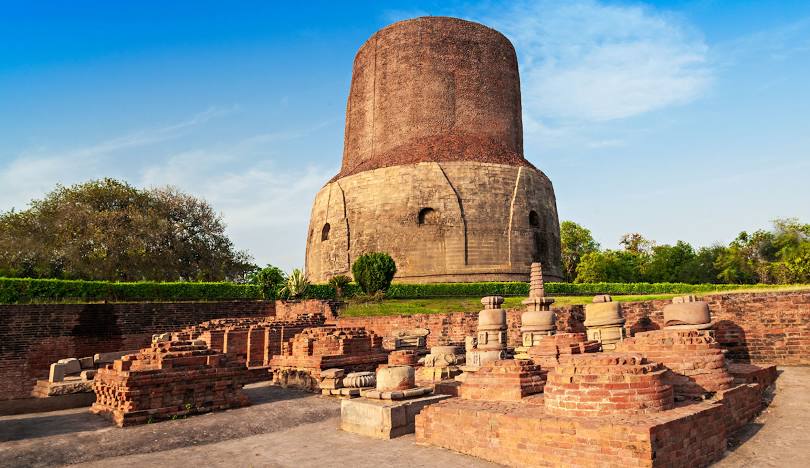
{"x": 447, "y": 305}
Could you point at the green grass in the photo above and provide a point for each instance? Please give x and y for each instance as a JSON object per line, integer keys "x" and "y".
{"x": 447, "y": 305}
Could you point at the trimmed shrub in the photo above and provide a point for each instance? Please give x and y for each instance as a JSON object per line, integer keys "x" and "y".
{"x": 374, "y": 272}
{"x": 24, "y": 290}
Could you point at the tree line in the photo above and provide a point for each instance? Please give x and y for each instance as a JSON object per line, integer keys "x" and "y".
{"x": 780, "y": 255}
{"x": 109, "y": 230}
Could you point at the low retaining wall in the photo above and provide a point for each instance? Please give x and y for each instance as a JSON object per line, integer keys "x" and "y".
{"x": 32, "y": 336}
{"x": 767, "y": 327}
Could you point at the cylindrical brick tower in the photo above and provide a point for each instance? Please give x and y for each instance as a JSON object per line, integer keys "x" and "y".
{"x": 433, "y": 170}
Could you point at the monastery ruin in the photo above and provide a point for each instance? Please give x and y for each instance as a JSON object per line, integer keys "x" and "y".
{"x": 433, "y": 172}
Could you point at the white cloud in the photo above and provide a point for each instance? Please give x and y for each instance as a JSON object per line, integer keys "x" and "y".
{"x": 33, "y": 173}
{"x": 265, "y": 207}
{"x": 585, "y": 61}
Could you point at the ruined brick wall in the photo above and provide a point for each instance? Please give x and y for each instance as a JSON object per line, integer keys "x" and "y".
{"x": 33, "y": 336}
{"x": 768, "y": 327}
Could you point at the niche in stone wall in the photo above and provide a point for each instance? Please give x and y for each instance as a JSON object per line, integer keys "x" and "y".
{"x": 539, "y": 241}
{"x": 325, "y": 232}
{"x": 427, "y": 216}
{"x": 534, "y": 219}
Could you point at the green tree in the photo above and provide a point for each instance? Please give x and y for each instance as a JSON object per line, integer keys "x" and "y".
{"x": 374, "y": 272}
{"x": 634, "y": 242}
{"x": 705, "y": 270}
{"x": 108, "y": 230}
{"x": 269, "y": 279}
{"x": 672, "y": 264}
{"x": 612, "y": 266}
{"x": 575, "y": 241}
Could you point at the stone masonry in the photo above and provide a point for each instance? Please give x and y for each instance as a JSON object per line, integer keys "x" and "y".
{"x": 433, "y": 171}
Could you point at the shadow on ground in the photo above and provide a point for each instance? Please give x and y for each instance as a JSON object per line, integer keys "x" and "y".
{"x": 75, "y": 436}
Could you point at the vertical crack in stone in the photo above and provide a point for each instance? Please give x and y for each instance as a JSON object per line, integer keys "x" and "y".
{"x": 460, "y": 208}
{"x": 512, "y": 213}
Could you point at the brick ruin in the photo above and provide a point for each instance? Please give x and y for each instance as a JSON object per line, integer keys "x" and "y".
{"x": 168, "y": 380}
{"x": 316, "y": 349}
{"x": 253, "y": 339}
{"x": 662, "y": 398}
{"x": 695, "y": 360}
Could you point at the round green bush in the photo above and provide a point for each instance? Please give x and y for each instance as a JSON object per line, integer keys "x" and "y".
{"x": 374, "y": 272}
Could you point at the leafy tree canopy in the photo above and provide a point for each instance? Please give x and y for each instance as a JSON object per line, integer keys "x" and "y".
{"x": 576, "y": 241}
{"x": 109, "y": 230}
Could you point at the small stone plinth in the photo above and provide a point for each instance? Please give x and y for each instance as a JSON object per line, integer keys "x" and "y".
{"x": 505, "y": 380}
{"x": 599, "y": 383}
{"x": 396, "y": 394}
{"x": 383, "y": 419}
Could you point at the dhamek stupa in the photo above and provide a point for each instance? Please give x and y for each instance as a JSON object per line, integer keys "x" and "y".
{"x": 433, "y": 170}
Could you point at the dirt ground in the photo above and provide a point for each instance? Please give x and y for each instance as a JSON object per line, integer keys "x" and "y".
{"x": 780, "y": 436}
{"x": 286, "y": 428}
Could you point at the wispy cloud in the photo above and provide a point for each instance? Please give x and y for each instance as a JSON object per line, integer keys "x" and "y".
{"x": 777, "y": 43}
{"x": 266, "y": 207}
{"x": 32, "y": 173}
{"x": 585, "y": 61}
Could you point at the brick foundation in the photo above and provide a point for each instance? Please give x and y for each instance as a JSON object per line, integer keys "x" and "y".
{"x": 505, "y": 380}
{"x": 315, "y": 349}
{"x": 694, "y": 358}
{"x": 36, "y": 335}
{"x": 525, "y": 434}
{"x": 168, "y": 380}
{"x": 600, "y": 383}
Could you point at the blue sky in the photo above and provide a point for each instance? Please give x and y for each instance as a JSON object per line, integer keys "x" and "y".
{"x": 680, "y": 120}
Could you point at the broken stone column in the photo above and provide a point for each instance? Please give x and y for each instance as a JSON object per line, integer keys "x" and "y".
{"x": 538, "y": 321}
{"x": 604, "y": 321}
{"x": 441, "y": 364}
{"x": 686, "y": 312}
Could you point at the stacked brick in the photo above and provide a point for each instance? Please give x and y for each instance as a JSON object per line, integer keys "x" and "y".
{"x": 599, "y": 384}
{"x": 504, "y": 380}
{"x": 315, "y": 349}
{"x": 697, "y": 364}
{"x": 253, "y": 339}
{"x": 552, "y": 348}
{"x": 404, "y": 357}
{"x": 169, "y": 379}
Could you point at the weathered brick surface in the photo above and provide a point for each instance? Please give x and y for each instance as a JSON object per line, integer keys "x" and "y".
{"x": 601, "y": 383}
{"x": 526, "y": 434}
{"x": 696, "y": 362}
{"x": 404, "y": 357}
{"x": 166, "y": 380}
{"x": 32, "y": 336}
{"x": 433, "y": 123}
{"x": 552, "y": 349}
{"x": 767, "y": 327}
{"x": 504, "y": 380}
{"x": 315, "y": 349}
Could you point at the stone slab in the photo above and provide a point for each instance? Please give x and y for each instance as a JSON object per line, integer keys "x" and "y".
{"x": 57, "y": 372}
{"x": 382, "y": 419}
{"x": 72, "y": 365}
{"x": 106, "y": 358}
